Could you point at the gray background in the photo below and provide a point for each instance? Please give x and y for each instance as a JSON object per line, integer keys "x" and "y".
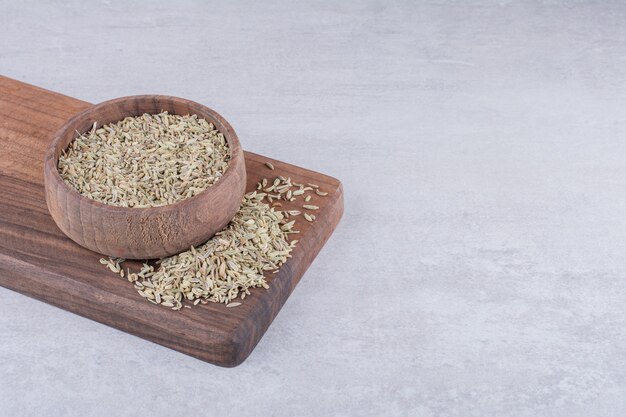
{"x": 479, "y": 269}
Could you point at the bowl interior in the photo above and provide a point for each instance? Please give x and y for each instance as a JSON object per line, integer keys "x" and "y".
{"x": 118, "y": 109}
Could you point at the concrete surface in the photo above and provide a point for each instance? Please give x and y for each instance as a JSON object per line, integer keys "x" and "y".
{"x": 480, "y": 267}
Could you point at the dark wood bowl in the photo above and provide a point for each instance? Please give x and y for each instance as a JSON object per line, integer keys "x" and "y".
{"x": 142, "y": 233}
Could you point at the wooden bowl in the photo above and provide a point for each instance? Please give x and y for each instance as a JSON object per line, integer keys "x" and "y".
{"x": 142, "y": 233}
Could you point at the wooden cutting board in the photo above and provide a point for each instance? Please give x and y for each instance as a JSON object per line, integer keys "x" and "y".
{"x": 37, "y": 260}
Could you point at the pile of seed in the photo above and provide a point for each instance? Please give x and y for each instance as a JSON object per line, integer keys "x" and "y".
{"x": 146, "y": 161}
{"x": 224, "y": 268}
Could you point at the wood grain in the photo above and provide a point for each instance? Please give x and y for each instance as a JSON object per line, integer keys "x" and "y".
{"x": 142, "y": 233}
{"x": 38, "y": 260}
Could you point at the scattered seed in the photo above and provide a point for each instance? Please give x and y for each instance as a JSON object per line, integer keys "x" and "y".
{"x": 310, "y": 207}
{"x": 255, "y": 242}
{"x": 269, "y": 165}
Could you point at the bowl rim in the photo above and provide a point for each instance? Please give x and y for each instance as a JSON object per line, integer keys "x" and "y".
{"x": 236, "y": 152}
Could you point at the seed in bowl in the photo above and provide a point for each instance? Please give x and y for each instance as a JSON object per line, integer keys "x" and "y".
{"x": 146, "y": 161}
